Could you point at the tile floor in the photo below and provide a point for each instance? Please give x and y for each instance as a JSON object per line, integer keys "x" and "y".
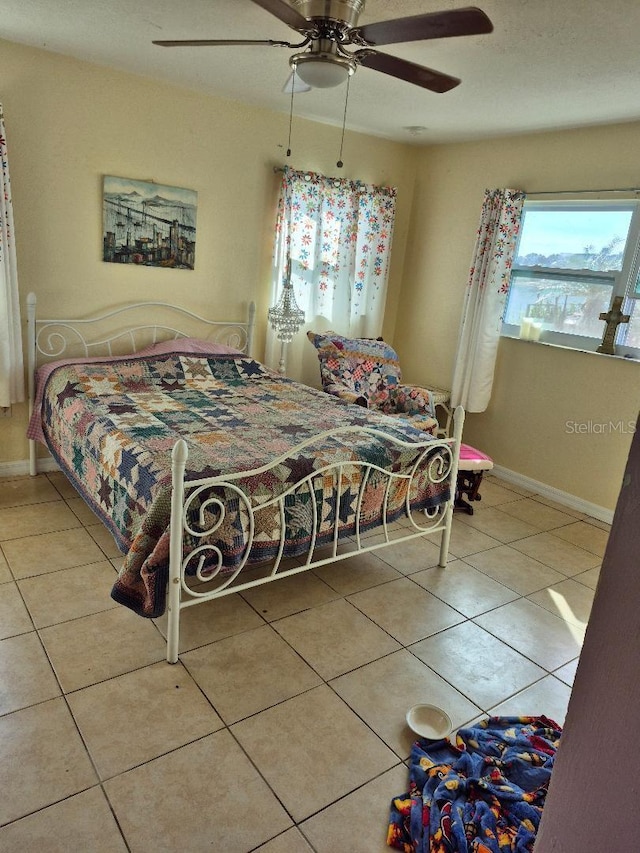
{"x": 282, "y": 727}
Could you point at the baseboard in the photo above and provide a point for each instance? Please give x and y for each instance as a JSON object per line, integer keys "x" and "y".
{"x": 564, "y": 498}
{"x": 19, "y": 469}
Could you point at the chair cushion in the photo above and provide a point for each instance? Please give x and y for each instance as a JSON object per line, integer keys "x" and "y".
{"x": 367, "y": 367}
{"x": 472, "y": 459}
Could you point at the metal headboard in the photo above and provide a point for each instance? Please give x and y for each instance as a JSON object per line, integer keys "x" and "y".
{"x": 50, "y": 339}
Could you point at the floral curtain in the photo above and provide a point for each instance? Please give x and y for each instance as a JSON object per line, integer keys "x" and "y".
{"x": 336, "y": 234}
{"x": 485, "y": 299}
{"x": 11, "y": 363}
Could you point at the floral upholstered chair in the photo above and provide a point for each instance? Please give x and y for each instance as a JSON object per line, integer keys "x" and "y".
{"x": 367, "y": 372}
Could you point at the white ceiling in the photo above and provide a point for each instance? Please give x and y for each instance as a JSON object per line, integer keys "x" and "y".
{"x": 548, "y": 64}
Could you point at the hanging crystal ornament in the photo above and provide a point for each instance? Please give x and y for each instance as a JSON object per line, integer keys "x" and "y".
{"x": 286, "y": 317}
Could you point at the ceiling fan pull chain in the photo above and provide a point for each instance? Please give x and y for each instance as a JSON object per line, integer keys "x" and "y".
{"x": 340, "y": 164}
{"x": 293, "y": 86}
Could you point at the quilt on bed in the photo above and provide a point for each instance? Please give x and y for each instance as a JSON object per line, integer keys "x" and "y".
{"x": 111, "y": 427}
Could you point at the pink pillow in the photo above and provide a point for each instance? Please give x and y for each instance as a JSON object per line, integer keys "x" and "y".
{"x": 190, "y": 345}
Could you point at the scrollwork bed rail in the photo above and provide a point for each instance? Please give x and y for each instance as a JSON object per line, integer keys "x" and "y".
{"x": 436, "y": 462}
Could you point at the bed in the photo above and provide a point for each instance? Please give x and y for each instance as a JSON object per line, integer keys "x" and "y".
{"x": 213, "y": 473}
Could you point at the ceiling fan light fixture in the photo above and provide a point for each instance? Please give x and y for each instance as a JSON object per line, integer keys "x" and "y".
{"x": 322, "y": 71}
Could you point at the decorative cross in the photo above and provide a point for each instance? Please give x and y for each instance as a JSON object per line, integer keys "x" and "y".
{"x": 612, "y": 318}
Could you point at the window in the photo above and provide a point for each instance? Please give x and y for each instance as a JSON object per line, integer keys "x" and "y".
{"x": 572, "y": 259}
{"x": 333, "y": 241}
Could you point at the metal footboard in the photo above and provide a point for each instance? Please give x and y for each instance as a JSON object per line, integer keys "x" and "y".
{"x": 436, "y": 462}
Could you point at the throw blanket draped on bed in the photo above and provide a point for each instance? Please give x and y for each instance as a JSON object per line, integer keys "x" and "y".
{"x": 483, "y": 795}
{"x": 111, "y": 427}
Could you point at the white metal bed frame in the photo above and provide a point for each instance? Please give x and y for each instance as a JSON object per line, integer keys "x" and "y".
{"x": 50, "y": 339}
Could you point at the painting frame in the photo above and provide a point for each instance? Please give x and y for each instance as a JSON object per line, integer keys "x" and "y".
{"x": 148, "y": 224}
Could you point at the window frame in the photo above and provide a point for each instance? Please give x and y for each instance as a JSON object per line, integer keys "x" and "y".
{"x": 624, "y": 282}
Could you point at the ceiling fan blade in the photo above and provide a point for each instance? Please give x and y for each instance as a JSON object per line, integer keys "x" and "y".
{"x": 419, "y": 75}
{"x": 221, "y": 42}
{"x": 286, "y": 13}
{"x": 434, "y": 25}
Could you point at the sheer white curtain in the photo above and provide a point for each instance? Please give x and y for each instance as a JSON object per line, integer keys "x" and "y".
{"x": 485, "y": 299}
{"x": 337, "y": 236}
{"x": 11, "y": 364}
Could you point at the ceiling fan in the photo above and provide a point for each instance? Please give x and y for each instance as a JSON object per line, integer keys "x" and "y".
{"x": 329, "y": 27}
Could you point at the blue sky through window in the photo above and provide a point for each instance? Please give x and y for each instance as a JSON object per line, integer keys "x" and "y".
{"x": 547, "y": 232}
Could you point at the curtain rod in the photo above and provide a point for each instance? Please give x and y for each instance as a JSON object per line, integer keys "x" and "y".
{"x": 277, "y": 169}
{"x": 583, "y": 192}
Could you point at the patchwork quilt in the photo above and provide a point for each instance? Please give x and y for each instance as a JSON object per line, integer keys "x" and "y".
{"x": 111, "y": 426}
{"x": 482, "y": 794}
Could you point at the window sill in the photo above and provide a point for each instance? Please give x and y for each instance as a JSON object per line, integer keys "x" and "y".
{"x": 570, "y": 349}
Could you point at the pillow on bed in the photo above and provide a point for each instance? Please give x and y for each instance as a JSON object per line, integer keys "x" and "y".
{"x": 190, "y": 345}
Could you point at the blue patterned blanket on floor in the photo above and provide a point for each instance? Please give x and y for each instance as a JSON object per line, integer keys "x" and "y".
{"x": 482, "y": 794}
{"x": 111, "y": 427}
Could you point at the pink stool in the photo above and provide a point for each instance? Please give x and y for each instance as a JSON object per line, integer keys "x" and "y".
{"x": 472, "y": 465}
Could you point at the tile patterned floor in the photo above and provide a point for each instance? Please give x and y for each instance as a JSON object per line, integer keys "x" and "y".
{"x": 282, "y": 727}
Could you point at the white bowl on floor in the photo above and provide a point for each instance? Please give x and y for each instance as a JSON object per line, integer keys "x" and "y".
{"x": 429, "y": 722}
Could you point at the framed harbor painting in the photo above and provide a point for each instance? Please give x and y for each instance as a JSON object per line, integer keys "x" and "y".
{"x": 148, "y": 224}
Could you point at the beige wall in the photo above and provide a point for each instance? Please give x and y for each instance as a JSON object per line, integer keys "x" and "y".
{"x": 538, "y": 389}
{"x": 69, "y": 123}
